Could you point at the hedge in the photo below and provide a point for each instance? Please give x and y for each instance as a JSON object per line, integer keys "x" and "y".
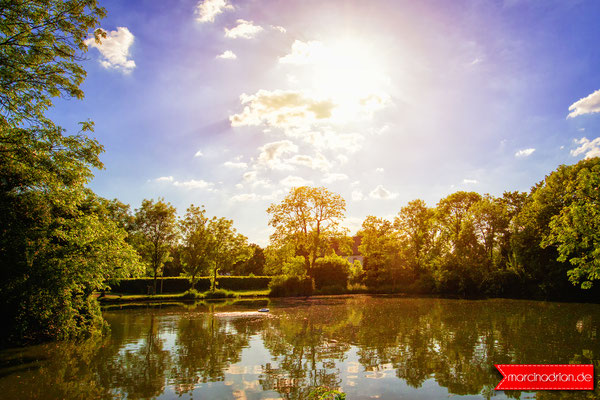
{"x": 289, "y": 286}
{"x": 182, "y": 284}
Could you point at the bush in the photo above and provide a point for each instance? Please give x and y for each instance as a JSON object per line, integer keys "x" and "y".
{"x": 282, "y": 286}
{"x": 331, "y": 271}
{"x": 219, "y": 294}
{"x": 182, "y": 284}
{"x": 193, "y": 294}
{"x": 424, "y": 284}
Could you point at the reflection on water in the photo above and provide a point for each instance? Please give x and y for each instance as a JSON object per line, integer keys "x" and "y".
{"x": 370, "y": 347}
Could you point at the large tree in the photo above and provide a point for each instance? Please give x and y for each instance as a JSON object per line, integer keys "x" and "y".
{"x": 58, "y": 243}
{"x": 416, "y": 227}
{"x": 575, "y": 230}
{"x": 379, "y": 246}
{"x": 309, "y": 218}
{"x": 227, "y": 248}
{"x": 156, "y": 225}
{"x": 197, "y": 242}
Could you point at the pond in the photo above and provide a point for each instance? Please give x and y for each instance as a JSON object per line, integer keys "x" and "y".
{"x": 371, "y": 347}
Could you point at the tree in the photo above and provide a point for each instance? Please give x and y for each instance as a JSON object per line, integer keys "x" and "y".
{"x": 197, "y": 243}
{"x": 452, "y": 211}
{"x": 575, "y": 230}
{"x": 253, "y": 265}
{"x": 490, "y": 220}
{"x": 415, "y": 224}
{"x": 156, "y": 227}
{"x": 227, "y": 248}
{"x": 58, "y": 243}
{"x": 309, "y": 218}
{"x": 379, "y": 246}
{"x": 41, "y": 43}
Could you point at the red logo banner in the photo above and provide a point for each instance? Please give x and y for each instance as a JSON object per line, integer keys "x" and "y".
{"x": 546, "y": 377}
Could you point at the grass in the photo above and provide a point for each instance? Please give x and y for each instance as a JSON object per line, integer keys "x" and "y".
{"x": 125, "y": 298}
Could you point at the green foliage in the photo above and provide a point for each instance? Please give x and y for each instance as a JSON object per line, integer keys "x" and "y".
{"x": 193, "y": 294}
{"x": 308, "y": 219}
{"x": 219, "y": 294}
{"x": 283, "y": 286}
{"x": 226, "y": 248}
{"x": 156, "y": 232}
{"x": 330, "y": 271}
{"x": 295, "y": 266}
{"x": 41, "y": 43}
{"x": 59, "y": 241}
{"x": 355, "y": 272}
{"x": 254, "y": 265}
{"x": 380, "y": 248}
{"x": 575, "y": 230}
{"x": 197, "y": 243}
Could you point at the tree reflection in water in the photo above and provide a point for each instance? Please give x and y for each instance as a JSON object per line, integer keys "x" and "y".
{"x": 228, "y": 351}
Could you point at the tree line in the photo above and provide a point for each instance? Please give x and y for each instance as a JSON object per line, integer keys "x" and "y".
{"x": 542, "y": 244}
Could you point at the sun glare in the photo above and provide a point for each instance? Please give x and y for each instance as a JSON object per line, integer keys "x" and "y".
{"x": 346, "y": 71}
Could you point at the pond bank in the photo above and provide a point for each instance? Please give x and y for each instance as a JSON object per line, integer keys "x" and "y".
{"x": 111, "y": 298}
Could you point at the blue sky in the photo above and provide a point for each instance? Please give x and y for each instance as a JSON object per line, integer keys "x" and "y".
{"x": 230, "y": 103}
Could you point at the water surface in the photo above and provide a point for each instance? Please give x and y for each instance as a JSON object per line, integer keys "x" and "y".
{"x": 369, "y": 347}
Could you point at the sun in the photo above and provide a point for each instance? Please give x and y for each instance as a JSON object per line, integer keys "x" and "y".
{"x": 346, "y": 71}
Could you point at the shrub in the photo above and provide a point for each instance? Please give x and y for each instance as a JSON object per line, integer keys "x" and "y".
{"x": 331, "y": 271}
{"x": 282, "y": 286}
{"x": 219, "y": 294}
{"x": 193, "y": 294}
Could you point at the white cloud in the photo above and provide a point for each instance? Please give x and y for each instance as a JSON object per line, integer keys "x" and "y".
{"x": 115, "y": 49}
{"x": 193, "y": 184}
{"x": 232, "y": 164}
{"x": 587, "y": 105}
{"x": 304, "y": 53}
{"x": 357, "y": 195}
{"x": 318, "y": 162}
{"x": 281, "y": 108}
{"x": 270, "y": 154}
{"x": 244, "y": 197}
{"x": 198, "y": 153}
{"x": 227, "y": 55}
{"x": 379, "y": 169}
{"x": 524, "y": 152}
{"x": 467, "y": 181}
{"x": 382, "y": 193}
{"x": 207, "y": 10}
{"x": 243, "y": 29}
{"x": 333, "y": 177}
{"x": 279, "y": 28}
{"x": 295, "y": 181}
{"x": 590, "y": 148}
{"x": 250, "y": 176}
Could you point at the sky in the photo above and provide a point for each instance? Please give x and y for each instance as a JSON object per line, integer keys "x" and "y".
{"x": 229, "y": 104}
